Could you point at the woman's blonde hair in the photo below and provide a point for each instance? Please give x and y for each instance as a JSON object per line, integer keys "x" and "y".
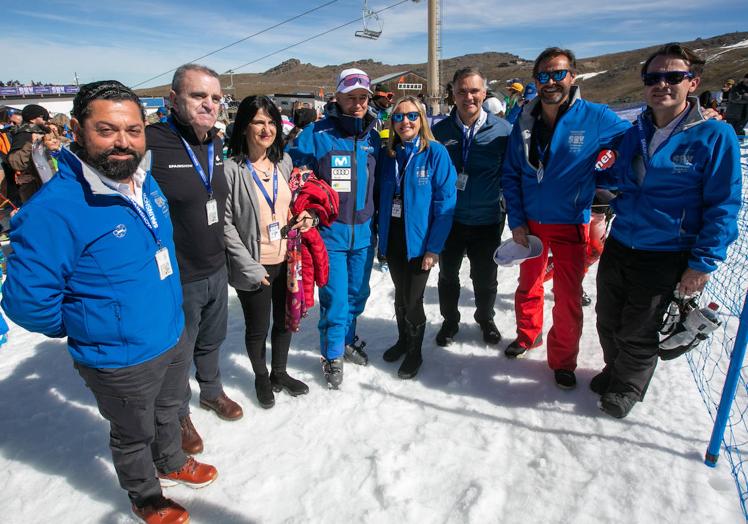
{"x": 424, "y": 133}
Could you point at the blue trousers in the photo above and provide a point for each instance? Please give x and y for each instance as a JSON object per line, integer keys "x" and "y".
{"x": 343, "y": 299}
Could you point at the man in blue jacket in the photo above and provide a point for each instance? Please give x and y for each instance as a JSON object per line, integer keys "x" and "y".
{"x": 342, "y": 149}
{"x": 93, "y": 259}
{"x": 679, "y": 182}
{"x": 476, "y": 141}
{"x": 549, "y": 185}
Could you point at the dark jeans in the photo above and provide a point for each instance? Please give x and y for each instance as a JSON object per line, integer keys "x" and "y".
{"x": 407, "y": 275}
{"x": 141, "y": 404}
{"x": 256, "y": 306}
{"x": 205, "y": 306}
{"x": 634, "y": 288}
{"x": 479, "y": 242}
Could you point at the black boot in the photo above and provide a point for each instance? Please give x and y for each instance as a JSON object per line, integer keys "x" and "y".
{"x": 398, "y": 350}
{"x": 282, "y": 380}
{"x": 412, "y": 362}
{"x": 264, "y": 391}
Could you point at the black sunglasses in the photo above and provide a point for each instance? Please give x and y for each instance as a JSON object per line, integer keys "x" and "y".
{"x": 545, "y": 76}
{"x": 399, "y": 117}
{"x": 670, "y": 77}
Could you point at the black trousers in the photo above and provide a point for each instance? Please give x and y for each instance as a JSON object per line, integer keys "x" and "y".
{"x": 407, "y": 275}
{"x": 256, "y": 306}
{"x": 141, "y": 404}
{"x": 205, "y": 305}
{"x": 479, "y": 242}
{"x": 634, "y": 288}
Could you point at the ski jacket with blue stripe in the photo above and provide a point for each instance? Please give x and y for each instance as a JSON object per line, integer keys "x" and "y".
{"x": 429, "y": 196}
{"x": 564, "y": 192}
{"x": 342, "y": 151}
{"x": 84, "y": 266}
{"x": 480, "y": 202}
{"x": 686, "y": 197}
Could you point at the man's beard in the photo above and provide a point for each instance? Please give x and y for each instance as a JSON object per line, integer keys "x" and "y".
{"x": 114, "y": 169}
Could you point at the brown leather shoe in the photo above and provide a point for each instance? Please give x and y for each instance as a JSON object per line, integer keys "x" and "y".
{"x": 192, "y": 444}
{"x": 223, "y": 406}
{"x": 162, "y": 511}
{"x": 193, "y": 474}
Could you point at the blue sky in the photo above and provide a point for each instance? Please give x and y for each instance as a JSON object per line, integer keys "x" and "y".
{"x": 133, "y": 40}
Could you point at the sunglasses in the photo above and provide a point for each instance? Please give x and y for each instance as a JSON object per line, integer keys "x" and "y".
{"x": 545, "y": 76}
{"x": 670, "y": 77}
{"x": 352, "y": 80}
{"x": 399, "y": 117}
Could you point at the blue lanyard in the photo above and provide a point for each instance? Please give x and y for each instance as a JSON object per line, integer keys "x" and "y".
{"x": 271, "y": 203}
{"x": 643, "y": 135}
{"x": 146, "y": 215}
{"x": 467, "y": 142}
{"x": 398, "y": 176}
{"x": 195, "y": 162}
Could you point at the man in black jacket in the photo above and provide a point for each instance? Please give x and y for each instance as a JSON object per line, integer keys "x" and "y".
{"x": 737, "y": 106}
{"x": 188, "y": 165}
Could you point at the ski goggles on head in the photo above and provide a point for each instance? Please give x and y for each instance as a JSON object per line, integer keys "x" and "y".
{"x": 544, "y": 77}
{"x": 354, "y": 81}
{"x": 670, "y": 77}
{"x": 399, "y": 117}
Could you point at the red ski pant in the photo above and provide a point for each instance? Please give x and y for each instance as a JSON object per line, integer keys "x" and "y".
{"x": 568, "y": 242}
{"x": 595, "y": 244}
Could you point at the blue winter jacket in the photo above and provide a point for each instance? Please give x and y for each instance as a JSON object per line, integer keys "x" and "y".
{"x": 342, "y": 150}
{"x": 83, "y": 266}
{"x": 480, "y": 203}
{"x": 687, "y": 197}
{"x": 564, "y": 195}
{"x": 429, "y": 197}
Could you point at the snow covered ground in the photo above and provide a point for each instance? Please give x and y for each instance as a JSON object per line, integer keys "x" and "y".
{"x": 475, "y": 438}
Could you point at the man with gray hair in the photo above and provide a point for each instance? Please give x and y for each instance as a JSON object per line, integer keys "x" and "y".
{"x": 476, "y": 140}
{"x": 93, "y": 261}
{"x": 188, "y": 165}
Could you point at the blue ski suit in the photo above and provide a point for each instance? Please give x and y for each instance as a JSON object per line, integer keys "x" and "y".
{"x": 342, "y": 150}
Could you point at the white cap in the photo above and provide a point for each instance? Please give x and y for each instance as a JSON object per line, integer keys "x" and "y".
{"x": 494, "y": 105}
{"x": 509, "y": 253}
{"x": 350, "y": 79}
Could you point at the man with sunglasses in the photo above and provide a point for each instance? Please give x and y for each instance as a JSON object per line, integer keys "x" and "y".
{"x": 476, "y": 141}
{"x": 381, "y": 103}
{"x": 342, "y": 149}
{"x": 679, "y": 182}
{"x": 549, "y": 183}
{"x": 22, "y": 159}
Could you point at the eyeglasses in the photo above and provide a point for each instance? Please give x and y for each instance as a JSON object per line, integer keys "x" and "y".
{"x": 352, "y": 80}
{"x": 670, "y": 77}
{"x": 399, "y": 117}
{"x": 544, "y": 77}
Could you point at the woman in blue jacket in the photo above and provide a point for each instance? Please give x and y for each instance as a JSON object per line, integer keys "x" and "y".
{"x": 417, "y": 198}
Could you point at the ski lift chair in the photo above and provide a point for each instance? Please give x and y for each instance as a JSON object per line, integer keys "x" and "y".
{"x": 373, "y": 28}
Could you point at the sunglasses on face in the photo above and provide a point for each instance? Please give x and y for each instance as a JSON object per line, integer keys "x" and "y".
{"x": 670, "y": 77}
{"x": 399, "y": 117}
{"x": 544, "y": 77}
{"x": 352, "y": 80}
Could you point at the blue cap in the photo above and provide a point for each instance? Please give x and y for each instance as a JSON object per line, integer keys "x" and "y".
{"x": 530, "y": 91}
{"x": 161, "y": 110}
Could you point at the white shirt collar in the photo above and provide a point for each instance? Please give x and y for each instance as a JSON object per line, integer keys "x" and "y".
{"x": 478, "y": 123}
{"x": 138, "y": 179}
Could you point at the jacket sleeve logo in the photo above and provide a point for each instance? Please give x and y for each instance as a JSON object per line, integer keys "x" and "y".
{"x": 119, "y": 231}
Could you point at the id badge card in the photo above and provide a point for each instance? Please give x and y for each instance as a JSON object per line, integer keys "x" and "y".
{"x": 164, "y": 263}
{"x": 462, "y": 179}
{"x": 212, "y": 208}
{"x": 397, "y": 207}
{"x": 274, "y": 231}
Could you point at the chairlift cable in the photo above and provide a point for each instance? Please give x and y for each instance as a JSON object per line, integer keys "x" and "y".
{"x": 296, "y": 17}
{"x": 355, "y": 20}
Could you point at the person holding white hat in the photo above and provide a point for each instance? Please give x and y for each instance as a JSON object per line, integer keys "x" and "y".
{"x": 342, "y": 149}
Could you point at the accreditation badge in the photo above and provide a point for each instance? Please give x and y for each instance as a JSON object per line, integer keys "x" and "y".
{"x": 164, "y": 263}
